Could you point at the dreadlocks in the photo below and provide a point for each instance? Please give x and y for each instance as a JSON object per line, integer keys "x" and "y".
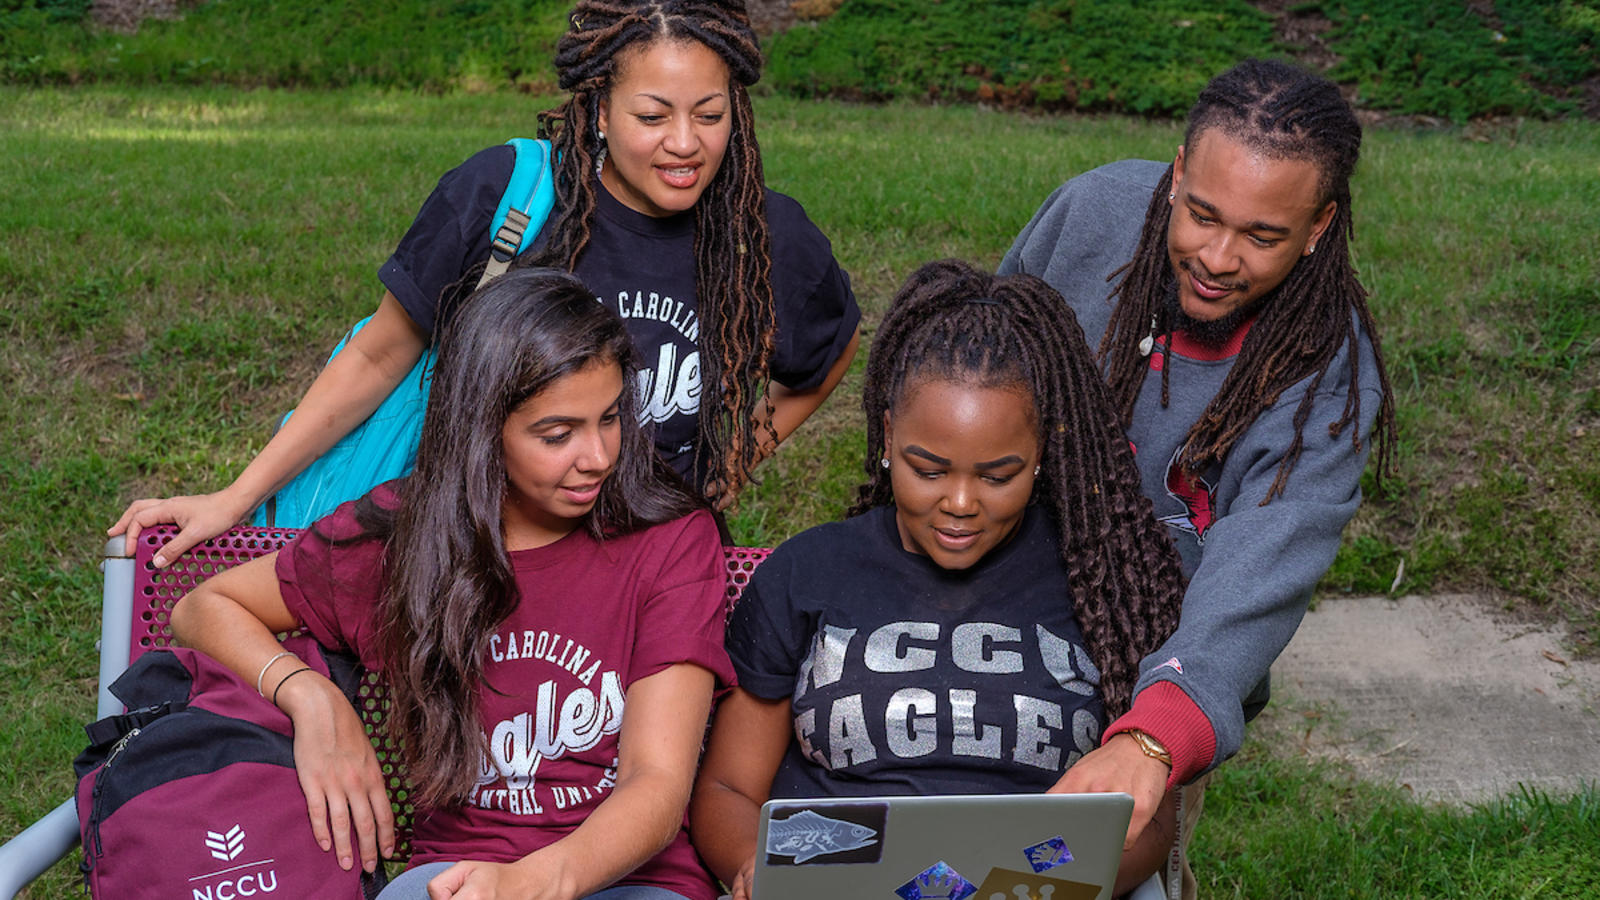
{"x": 733, "y": 262}
{"x": 1279, "y": 112}
{"x": 952, "y": 322}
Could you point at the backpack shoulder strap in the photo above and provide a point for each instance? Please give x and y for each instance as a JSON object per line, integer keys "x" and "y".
{"x": 523, "y": 208}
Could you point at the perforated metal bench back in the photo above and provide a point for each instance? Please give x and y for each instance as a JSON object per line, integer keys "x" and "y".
{"x": 157, "y": 590}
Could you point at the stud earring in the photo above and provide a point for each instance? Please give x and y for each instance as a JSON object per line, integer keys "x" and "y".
{"x": 1036, "y": 471}
{"x": 884, "y": 462}
{"x": 1171, "y": 196}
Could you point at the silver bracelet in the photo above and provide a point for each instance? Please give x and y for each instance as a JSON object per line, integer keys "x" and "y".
{"x": 263, "y": 673}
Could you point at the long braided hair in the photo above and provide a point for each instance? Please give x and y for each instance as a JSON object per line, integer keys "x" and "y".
{"x": 1281, "y": 112}
{"x": 733, "y": 259}
{"x": 1124, "y": 572}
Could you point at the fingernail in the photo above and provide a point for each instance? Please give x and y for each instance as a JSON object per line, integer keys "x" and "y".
{"x": 160, "y": 560}
{"x": 325, "y": 844}
{"x": 344, "y": 863}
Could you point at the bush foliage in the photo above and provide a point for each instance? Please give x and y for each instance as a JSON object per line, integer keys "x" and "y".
{"x": 470, "y": 45}
{"x": 1149, "y": 57}
{"x": 1447, "y": 60}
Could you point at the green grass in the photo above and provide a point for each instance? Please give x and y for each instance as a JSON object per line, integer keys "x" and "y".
{"x": 1276, "y": 826}
{"x": 179, "y": 260}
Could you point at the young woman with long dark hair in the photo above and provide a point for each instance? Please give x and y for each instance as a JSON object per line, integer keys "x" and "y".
{"x": 544, "y": 600}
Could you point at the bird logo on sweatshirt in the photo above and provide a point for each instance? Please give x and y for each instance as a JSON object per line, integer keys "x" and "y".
{"x": 1199, "y": 499}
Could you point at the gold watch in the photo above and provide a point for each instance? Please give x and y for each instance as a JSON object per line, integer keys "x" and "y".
{"x": 1150, "y": 747}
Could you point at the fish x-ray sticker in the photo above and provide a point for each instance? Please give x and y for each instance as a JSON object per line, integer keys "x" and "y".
{"x": 937, "y": 882}
{"x": 1048, "y": 855}
{"x": 1005, "y": 884}
{"x": 838, "y": 835}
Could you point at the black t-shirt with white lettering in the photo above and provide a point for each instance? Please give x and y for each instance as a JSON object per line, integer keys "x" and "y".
{"x": 905, "y": 678}
{"x": 644, "y": 268}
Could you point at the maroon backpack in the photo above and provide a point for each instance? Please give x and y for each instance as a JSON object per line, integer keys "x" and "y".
{"x": 192, "y": 794}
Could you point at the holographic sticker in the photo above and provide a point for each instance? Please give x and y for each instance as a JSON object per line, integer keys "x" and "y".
{"x": 937, "y": 882}
{"x": 1006, "y": 884}
{"x": 807, "y": 835}
{"x": 1048, "y": 855}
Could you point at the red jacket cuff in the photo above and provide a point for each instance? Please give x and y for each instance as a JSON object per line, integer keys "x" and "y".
{"x": 1166, "y": 713}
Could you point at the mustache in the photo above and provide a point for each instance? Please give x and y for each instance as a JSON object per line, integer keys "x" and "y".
{"x": 1199, "y": 271}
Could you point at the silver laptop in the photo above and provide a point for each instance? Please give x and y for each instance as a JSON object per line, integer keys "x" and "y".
{"x": 983, "y": 847}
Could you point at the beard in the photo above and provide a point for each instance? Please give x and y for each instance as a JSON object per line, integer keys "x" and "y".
{"x": 1212, "y": 333}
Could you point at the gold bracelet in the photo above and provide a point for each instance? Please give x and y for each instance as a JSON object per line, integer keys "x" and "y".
{"x": 1150, "y": 747}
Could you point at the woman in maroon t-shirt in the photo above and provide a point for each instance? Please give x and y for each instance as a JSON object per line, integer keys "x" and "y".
{"x": 539, "y": 571}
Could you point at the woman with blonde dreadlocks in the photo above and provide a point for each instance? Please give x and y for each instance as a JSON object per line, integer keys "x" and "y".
{"x": 744, "y": 320}
{"x": 1001, "y": 521}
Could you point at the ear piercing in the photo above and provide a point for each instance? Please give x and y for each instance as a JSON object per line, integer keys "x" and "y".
{"x": 1036, "y": 471}
{"x": 600, "y": 158}
{"x": 884, "y": 462}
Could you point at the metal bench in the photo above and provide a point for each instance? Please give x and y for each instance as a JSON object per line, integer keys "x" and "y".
{"x": 136, "y": 603}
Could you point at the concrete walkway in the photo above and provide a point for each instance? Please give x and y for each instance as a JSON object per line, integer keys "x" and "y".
{"x": 1438, "y": 695}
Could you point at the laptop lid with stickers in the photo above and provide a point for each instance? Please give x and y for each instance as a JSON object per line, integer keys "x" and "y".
{"x": 982, "y": 847}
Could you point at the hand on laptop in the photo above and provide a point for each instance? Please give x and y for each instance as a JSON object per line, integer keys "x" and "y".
{"x": 1120, "y": 765}
{"x": 740, "y": 889}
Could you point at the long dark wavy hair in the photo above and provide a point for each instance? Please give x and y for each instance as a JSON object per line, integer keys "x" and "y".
{"x": 1281, "y": 112}
{"x": 733, "y": 258}
{"x": 449, "y": 581}
{"x": 952, "y": 322}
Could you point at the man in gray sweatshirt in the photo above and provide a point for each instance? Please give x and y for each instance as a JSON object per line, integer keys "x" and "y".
{"x": 1235, "y": 336}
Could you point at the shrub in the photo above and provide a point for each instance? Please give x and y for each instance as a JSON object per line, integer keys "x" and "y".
{"x": 1445, "y": 60}
{"x": 303, "y": 43}
{"x": 1146, "y": 57}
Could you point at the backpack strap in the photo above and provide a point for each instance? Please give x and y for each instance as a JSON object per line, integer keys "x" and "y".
{"x": 523, "y": 208}
{"x": 108, "y": 731}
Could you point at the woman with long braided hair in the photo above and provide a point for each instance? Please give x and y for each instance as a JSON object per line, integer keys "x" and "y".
{"x": 1002, "y": 501}
{"x": 744, "y": 320}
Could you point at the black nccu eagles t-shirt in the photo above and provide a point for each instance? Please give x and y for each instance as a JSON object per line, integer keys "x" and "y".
{"x": 644, "y": 268}
{"x": 905, "y": 678}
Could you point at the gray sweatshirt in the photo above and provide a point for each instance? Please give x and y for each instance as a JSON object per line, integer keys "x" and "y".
{"x": 1251, "y": 567}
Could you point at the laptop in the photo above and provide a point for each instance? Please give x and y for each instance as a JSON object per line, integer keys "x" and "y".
{"x": 979, "y": 846}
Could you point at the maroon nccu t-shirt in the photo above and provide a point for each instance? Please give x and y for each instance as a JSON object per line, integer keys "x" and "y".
{"x": 595, "y": 617}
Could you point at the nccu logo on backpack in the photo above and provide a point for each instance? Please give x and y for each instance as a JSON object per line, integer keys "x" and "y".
{"x": 192, "y": 795}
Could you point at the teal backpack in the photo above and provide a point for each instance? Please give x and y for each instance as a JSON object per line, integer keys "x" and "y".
{"x": 385, "y": 445}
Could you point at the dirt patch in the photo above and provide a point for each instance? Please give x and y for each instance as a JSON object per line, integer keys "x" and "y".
{"x": 125, "y": 15}
{"x": 1303, "y": 28}
{"x": 770, "y": 16}
{"x": 1438, "y": 695}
